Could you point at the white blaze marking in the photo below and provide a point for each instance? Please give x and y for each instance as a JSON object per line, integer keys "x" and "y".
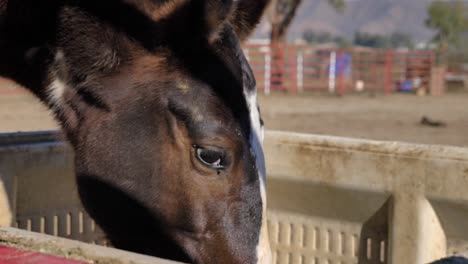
{"x": 57, "y": 87}
{"x": 256, "y": 142}
{"x": 56, "y": 91}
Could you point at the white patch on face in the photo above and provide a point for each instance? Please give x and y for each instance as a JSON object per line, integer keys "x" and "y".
{"x": 257, "y": 133}
{"x": 59, "y": 56}
{"x": 57, "y": 87}
{"x": 256, "y": 142}
{"x": 56, "y": 91}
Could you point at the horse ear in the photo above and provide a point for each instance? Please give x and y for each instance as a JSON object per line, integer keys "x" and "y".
{"x": 247, "y": 15}
{"x": 217, "y": 11}
{"x": 243, "y": 15}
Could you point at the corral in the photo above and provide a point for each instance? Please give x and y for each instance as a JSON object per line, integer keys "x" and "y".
{"x": 331, "y": 200}
{"x": 299, "y": 68}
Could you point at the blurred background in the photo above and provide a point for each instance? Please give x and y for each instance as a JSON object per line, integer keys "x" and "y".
{"x": 378, "y": 69}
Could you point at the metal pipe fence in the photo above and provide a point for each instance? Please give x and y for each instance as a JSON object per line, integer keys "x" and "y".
{"x": 304, "y": 68}
{"x": 301, "y": 68}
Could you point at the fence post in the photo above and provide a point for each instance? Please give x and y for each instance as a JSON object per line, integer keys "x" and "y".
{"x": 268, "y": 70}
{"x": 340, "y": 72}
{"x": 278, "y": 66}
{"x": 292, "y": 69}
{"x": 332, "y": 73}
{"x": 437, "y": 81}
{"x": 300, "y": 71}
{"x": 281, "y": 69}
{"x": 388, "y": 72}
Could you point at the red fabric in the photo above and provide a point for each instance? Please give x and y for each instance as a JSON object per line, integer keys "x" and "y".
{"x": 9, "y": 255}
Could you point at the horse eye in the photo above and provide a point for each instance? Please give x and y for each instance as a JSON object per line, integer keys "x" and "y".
{"x": 211, "y": 158}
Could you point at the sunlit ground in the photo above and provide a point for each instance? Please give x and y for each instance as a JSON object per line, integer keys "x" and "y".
{"x": 395, "y": 117}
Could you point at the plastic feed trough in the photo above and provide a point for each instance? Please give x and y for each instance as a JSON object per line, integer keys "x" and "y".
{"x": 331, "y": 200}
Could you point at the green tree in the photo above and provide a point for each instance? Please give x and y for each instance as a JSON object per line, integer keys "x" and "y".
{"x": 317, "y": 37}
{"x": 450, "y": 20}
{"x": 313, "y": 37}
{"x": 282, "y": 12}
{"x": 371, "y": 40}
{"x": 399, "y": 40}
{"x": 280, "y": 16}
{"x": 395, "y": 40}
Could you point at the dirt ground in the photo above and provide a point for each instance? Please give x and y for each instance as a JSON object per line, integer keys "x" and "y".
{"x": 394, "y": 118}
{"x": 391, "y": 118}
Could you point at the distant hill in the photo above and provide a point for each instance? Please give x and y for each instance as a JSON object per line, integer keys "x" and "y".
{"x": 372, "y": 16}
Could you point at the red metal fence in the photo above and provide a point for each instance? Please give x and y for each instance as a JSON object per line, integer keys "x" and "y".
{"x": 300, "y": 68}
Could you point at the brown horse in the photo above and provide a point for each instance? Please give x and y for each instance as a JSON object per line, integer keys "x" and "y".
{"x": 158, "y": 102}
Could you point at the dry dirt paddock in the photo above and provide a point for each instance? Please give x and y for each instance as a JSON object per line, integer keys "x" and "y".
{"x": 394, "y": 118}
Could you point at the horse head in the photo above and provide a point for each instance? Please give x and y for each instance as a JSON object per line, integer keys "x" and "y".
{"x": 159, "y": 104}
